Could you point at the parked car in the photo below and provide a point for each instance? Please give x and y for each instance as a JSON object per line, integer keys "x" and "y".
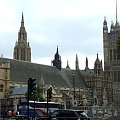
{"x": 82, "y": 114}
{"x": 64, "y": 114}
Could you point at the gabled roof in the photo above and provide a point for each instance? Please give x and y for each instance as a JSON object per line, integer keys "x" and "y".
{"x": 21, "y": 71}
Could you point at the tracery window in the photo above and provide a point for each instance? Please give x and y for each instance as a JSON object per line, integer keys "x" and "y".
{"x": 114, "y": 54}
{"x": 110, "y": 54}
{"x": 1, "y": 87}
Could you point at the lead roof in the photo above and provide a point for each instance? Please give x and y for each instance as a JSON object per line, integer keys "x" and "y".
{"x": 20, "y": 71}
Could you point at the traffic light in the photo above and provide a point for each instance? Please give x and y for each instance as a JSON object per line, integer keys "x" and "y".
{"x": 49, "y": 94}
{"x": 31, "y": 86}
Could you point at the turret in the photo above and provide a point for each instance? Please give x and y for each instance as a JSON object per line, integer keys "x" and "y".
{"x": 57, "y": 60}
{"x": 112, "y": 26}
{"x": 98, "y": 70}
{"x": 105, "y": 27}
{"x": 68, "y": 65}
{"x": 105, "y": 40}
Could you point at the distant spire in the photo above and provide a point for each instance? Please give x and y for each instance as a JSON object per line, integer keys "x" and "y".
{"x": 97, "y": 61}
{"x": 67, "y": 65}
{"x": 116, "y": 11}
{"x": 57, "y": 49}
{"x": 57, "y": 54}
{"x": 97, "y": 55}
{"x": 22, "y": 17}
{"x": 105, "y": 24}
{"x": 22, "y": 21}
{"x": 86, "y": 67}
{"x": 86, "y": 62}
{"x": 77, "y": 63}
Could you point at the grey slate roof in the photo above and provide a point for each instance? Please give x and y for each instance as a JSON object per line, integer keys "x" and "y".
{"x": 89, "y": 72}
{"x": 19, "y": 90}
{"x": 21, "y": 71}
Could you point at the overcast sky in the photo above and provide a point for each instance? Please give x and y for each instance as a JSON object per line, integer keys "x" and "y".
{"x": 74, "y": 25}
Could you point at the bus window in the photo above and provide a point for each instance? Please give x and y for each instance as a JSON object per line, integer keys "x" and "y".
{"x": 40, "y": 107}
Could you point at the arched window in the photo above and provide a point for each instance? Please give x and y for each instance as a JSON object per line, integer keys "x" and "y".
{"x": 1, "y": 87}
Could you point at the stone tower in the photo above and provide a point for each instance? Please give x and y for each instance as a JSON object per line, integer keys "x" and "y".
{"x": 109, "y": 46}
{"x": 57, "y": 60}
{"x": 98, "y": 70}
{"x": 98, "y": 79}
{"x": 111, "y": 63}
{"x": 96, "y": 82}
{"x": 22, "y": 50}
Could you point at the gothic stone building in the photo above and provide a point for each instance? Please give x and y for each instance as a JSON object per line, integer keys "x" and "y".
{"x": 22, "y": 50}
{"x": 61, "y": 79}
{"x": 101, "y": 88}
{"x": 92, "y": 86}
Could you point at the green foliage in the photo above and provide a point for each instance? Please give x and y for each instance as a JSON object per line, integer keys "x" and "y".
{"x": 38, "y": 95}
{"x": 118, "y": 48}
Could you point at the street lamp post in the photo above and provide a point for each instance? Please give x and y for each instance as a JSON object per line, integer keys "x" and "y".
{"x": 74, "y": 86}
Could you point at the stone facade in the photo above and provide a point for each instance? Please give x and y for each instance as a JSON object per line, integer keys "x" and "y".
{"x": 4, "y": 79}
{"x": 101, "y": 89}
{"x": 111, "y": 63}
{"x": 92, "y": 86}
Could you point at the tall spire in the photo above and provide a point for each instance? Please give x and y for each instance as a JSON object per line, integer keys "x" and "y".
{"x": 22, "y": 21}
{"x": 116, "y": 10}
{"x": 67, "y": 65}
{"x": 77, "y": 63}
{"x": 22, "y": 50}
{"x": 57, "y": 50}
{"x": 97, "y": 55}
{"x": 57, "y": 54}
{"x": 86, "y": 67}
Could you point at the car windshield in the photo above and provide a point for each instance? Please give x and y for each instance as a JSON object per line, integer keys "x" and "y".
{"x": 82, "y": 114}
{"x": 64, "y": 113}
